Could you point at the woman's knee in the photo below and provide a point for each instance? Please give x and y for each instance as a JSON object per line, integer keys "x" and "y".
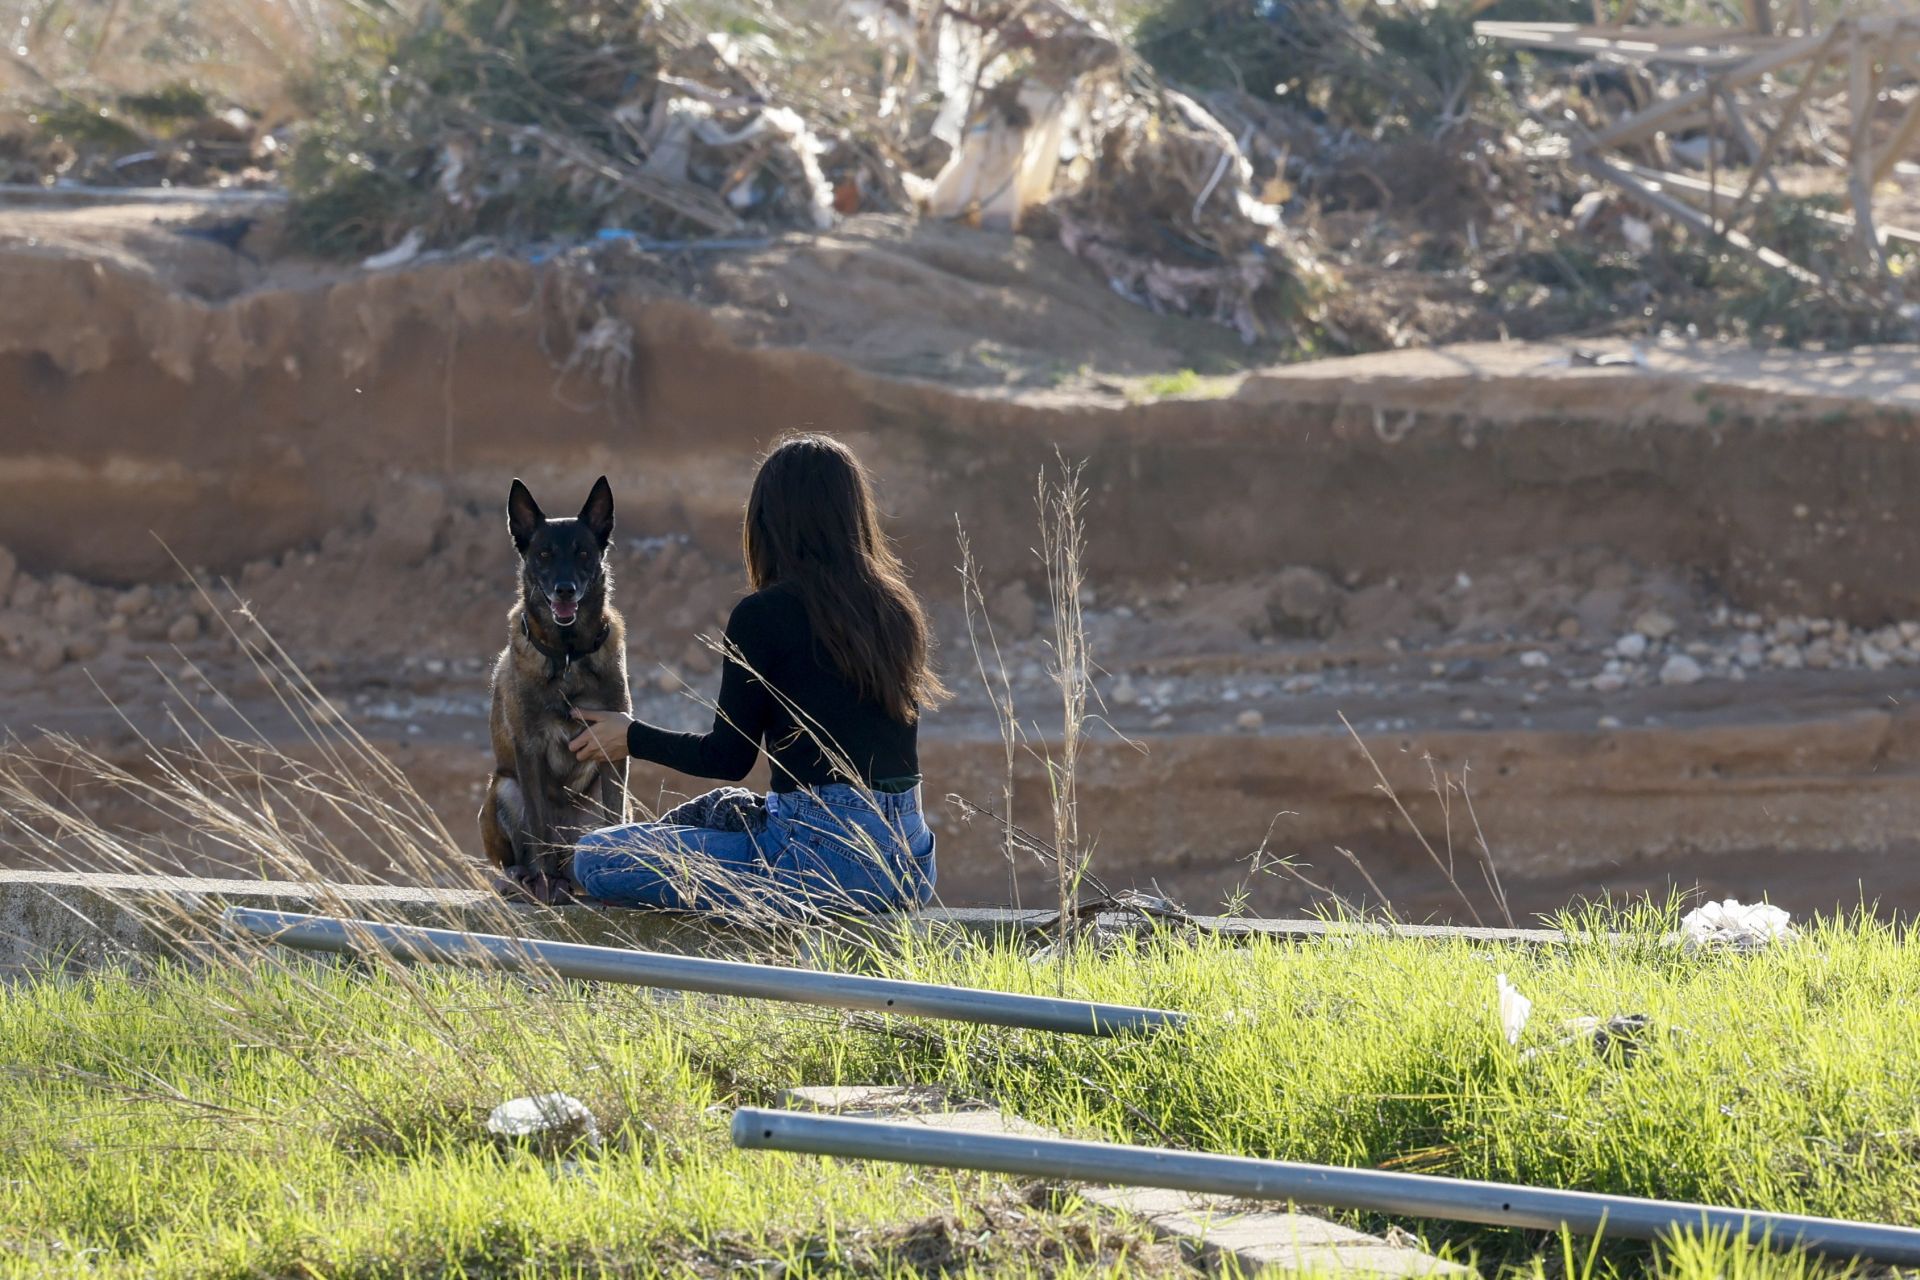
{"x": 598, "y": 852}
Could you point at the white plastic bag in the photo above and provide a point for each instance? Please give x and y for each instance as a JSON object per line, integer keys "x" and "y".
{"x": 1515, "y": 1009}
{"x": 1735, "y": 925}
{"x": 548, "y": 1116}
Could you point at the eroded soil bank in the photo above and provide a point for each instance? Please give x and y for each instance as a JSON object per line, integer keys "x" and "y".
{"x": 1455, "y": 549}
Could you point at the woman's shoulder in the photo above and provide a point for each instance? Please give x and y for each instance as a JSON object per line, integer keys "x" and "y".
{"x": 777, "y": 605}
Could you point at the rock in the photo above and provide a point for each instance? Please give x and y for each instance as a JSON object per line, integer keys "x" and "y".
{"x": 133, "y": 601}
{"x": 1873, "y": 657}
{"x": 1790, "y": 631}
{"x": 84, "y": 647}
{"x": 185, "y": 629}
{"x": 1632, "y": 646}
{"x": 28, "y": 592}
{"x": 1535, "y": 659}
{"x": 1681, "y": 669}
{"x": 1463, "y": 670}
{"x": 9, "y": 570}
{"x": 1609, "y": 682}
{"x": 1785, "y": 656}
{"x": 407, "y": 524}
{"x": 1607, "y": 722}
{"x": 1819, "y": 654}
{"x": 1013, "y": 611}
{"x": 1123, "y": 693}
{"x": 1751, "y": 651}
{"x": 44, "y": 654}
{"x": 1378, "y": 610}
{"x": 16, "y": 629}
{"x": 1303, "y": 683}
{"x": 1160, "y": 721}
{"x": 1654, "y": 625}
{"x": 1568, "y": 628}
{"x": 74, "y": 608}
{"x": 1250, "y": 721}
{"x": 1304, "y": 601}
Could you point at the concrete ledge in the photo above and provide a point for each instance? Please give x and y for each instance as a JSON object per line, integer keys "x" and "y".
{"x": 74, "y": 921}
{"x": 1228, "y": 1234}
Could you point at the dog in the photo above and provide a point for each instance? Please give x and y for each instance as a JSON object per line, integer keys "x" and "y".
{"x": 566, "y": 647}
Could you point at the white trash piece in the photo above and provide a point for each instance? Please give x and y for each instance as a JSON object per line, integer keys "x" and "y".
{"x": 400, "y": 255}
{"x": 1515, "y": 1009}
{"x": 1739, "y": 926}
{"x": 547, "y": 1116}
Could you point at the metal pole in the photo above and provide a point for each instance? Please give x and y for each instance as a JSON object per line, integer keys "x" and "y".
{"x": 691, "y": 973}
{"x": 1402, "y": 1194}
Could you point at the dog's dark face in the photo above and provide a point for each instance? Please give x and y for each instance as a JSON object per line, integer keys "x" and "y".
{"x": 563, "y": 565}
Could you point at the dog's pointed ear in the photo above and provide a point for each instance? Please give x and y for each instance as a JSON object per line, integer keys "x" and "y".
{"x": 597, "y": 515}
{"x": 523, "y": 516}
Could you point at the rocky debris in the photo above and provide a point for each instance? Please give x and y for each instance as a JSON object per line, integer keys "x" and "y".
{"x": 1655, "y": 625}
{"x": 1249, "y": 721}
{"x": 1681, "y": 669}
{"x": 407, "y": 524}
{"x": 1739, "y": 644}
{"x": 1304, "y": 601}
{"x": 1013, "y": 610}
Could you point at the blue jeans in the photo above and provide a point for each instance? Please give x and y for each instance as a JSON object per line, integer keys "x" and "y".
{"x": 833, "y": 848}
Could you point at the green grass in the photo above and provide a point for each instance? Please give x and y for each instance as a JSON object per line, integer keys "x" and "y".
{"x": 331, "y": 1122}
{"x": 333, "y": 1125}
{"x": 1182, "y": 384}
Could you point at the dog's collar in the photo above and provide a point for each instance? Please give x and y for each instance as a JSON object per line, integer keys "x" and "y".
{"x": 558, "y": 660}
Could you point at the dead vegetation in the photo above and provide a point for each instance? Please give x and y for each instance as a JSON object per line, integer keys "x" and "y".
{"x": 1317, "y": 176}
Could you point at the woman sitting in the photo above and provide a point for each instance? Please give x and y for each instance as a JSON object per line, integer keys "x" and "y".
{"x": 827, "y": 665}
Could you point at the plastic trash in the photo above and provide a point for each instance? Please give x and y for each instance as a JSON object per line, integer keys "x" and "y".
{"x": 1735, "y": 925}
{"x": 1515, "y": 1009}
{"x": 553, "y": 1119}
{"x": 406, "y": 251}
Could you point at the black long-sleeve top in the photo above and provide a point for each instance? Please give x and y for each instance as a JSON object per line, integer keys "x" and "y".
{"x": 809, "y": 702}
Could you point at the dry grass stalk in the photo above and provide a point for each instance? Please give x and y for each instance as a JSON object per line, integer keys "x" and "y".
{"x": 1443, "y": 787}
{"x": 1063, "y": 545}
{"x": 998, "y": 687}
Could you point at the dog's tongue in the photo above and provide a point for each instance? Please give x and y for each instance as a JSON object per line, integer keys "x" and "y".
{"x": 564, "y": 611}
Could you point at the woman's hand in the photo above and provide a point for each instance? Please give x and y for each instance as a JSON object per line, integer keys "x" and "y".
{"x": 605, "y": 737}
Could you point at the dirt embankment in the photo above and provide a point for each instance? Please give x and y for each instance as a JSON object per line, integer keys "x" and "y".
{"x": 1446, "y": 547}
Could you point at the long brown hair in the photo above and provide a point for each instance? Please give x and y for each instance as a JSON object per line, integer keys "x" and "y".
{"x": 812, "y": 524}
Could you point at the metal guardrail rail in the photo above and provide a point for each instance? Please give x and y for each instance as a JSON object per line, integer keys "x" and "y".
{"x": 690, "y": 973}
{"x": 1401, "y": 1194}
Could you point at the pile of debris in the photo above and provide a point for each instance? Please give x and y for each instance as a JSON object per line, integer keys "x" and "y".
{"x": 534, "y": 121}
{"x": 175, "y": 136}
